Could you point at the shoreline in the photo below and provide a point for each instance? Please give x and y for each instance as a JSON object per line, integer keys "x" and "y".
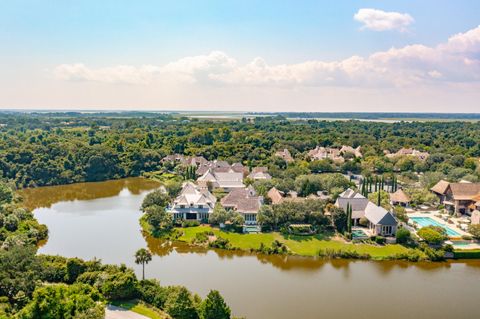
{"x": 307, "y": 246}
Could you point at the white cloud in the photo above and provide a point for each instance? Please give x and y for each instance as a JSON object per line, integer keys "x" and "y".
{"x": 378, "y": 20}
{"x": 455, "y": 61}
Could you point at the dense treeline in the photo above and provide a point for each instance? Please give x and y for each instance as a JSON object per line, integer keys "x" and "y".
{"x": 43, "y": 286}
{"x": 46, "y": 149}
{"x": 375, "y": 115}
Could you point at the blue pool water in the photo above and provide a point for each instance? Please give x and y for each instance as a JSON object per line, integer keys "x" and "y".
{"x": 427, "y": 221}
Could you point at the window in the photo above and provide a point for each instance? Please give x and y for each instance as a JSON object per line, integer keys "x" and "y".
{"x": 182, "y": 206}
{"x": 200, "y": 206}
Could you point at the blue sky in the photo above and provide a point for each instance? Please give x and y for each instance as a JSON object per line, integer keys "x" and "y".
{"x": 240, "y": 55}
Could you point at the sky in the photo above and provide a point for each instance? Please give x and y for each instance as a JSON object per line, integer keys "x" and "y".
{"x": 316, "y": 56}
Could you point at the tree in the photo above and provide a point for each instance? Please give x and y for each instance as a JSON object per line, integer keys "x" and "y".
{"x": 6, "y": 194}
{"x": 339, "y": 219}
{"x": 62, "y": 301}
{"x": 158, "y": 218}
{"x": 474, "y": 230}
{"x": 157, "y": 198}
{"x": 19, "y": 271}
{"x": 214, "y": 307}
{"x": 142, "y": 257}
{"x": 218, "y": 216}
{"x": 349, "y": 218}
{"x": 180, "y": 305}
{"x": 267, "y": 217}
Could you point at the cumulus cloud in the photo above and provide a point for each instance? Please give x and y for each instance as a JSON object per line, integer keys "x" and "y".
{"x": 378, "y": 20}
{"x": 456, "y": 60}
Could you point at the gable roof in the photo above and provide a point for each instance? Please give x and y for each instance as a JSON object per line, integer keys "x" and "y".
{"x": 379, "y": 216}
{"x": 191, "y": 194}
{"x": 357, "y": 201}
{"x": 440, "y": 187}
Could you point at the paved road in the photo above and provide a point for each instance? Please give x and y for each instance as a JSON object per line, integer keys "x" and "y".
{"x": 112, "y": 312}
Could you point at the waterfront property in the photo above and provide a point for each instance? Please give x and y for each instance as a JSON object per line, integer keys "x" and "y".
{"x": 93, "y": 211}
{"x": 245, "y": 201}
{"x": 460, "y": 198}
{"x": 379, "y": 220}
{"x": 193, "y": 202}
{"x": 226, "y": 180}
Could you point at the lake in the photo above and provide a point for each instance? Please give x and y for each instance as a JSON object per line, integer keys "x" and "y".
{"x": 101, "y": 220}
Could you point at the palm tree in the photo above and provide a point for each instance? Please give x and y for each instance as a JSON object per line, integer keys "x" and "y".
{"x": 143, "y": 256}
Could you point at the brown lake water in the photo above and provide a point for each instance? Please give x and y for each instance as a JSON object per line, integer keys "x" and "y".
{"x": 101, "y": 220}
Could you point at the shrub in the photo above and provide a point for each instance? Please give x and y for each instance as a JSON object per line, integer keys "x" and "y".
{"x": 349, "y": 254}
{"x": 474, "y": 230}
{"x": 221, "y": 243}
{"x": 448, "y": 248}
{"x": 119, "y": 285}
{"x": 403, "y": 236}
{"x": 467, "y": 254}
{"x": 379, "y": 240}
{"x": 411, "y": 255}
{"x": 190, "y": 223}
{"x": 432, "y": 235}
{"x": 202, "y": 237}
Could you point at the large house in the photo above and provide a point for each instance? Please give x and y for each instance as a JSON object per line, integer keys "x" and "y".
{"x": 184, "y": 160}
{"x": 228, "y": 180}
{"x": 259, "y": 173}
{"x": 193, "y": 202}
{"x": 460, "y": 198}
{"x": 408, "y": 152}
{"x": 245, "y": 201}
{"x": 285, "y": 155}
{"x": 380, "y": 221}
{"x": 335, "y": 154}
{"x": 220, "y": 167}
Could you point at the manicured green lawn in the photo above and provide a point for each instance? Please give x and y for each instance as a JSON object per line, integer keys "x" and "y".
{"x": 299, "y": 245}
{"x": 141, "y": 308}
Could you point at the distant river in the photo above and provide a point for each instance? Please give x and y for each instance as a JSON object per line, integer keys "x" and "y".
{"x": 101, "y": 220}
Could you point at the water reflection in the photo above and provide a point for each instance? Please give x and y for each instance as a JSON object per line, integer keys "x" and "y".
{"x": 47, "y": 196}
{"x": 101, "y": 220}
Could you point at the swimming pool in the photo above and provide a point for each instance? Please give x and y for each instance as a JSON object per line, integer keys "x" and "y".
{"x": 427, "y": 221}
{"x": 359, "y": 234}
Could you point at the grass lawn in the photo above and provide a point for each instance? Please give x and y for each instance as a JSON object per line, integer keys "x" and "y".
{"x": 299, "y": 245}
{"x": 141, "y": 308}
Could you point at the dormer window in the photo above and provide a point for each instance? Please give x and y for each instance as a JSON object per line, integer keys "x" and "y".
{"x": 200, "y": 206}
{"x": 182, "y": 206}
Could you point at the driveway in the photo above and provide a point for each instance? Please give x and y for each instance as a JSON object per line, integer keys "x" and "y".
{"x": 113, "y": 312}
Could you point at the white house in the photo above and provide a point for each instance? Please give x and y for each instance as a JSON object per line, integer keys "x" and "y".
{"x": 193, "y": 202}
{"x": 228, "y": 181}
{"x": 380, "y": 221}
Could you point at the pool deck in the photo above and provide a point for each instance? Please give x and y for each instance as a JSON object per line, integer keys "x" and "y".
{"x": 433, "y": 215}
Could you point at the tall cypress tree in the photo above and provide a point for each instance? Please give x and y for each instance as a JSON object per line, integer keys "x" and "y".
{"x": 379, "y": 199}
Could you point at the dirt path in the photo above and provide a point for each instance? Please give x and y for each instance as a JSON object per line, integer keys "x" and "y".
{"x": 113, "y": 312}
